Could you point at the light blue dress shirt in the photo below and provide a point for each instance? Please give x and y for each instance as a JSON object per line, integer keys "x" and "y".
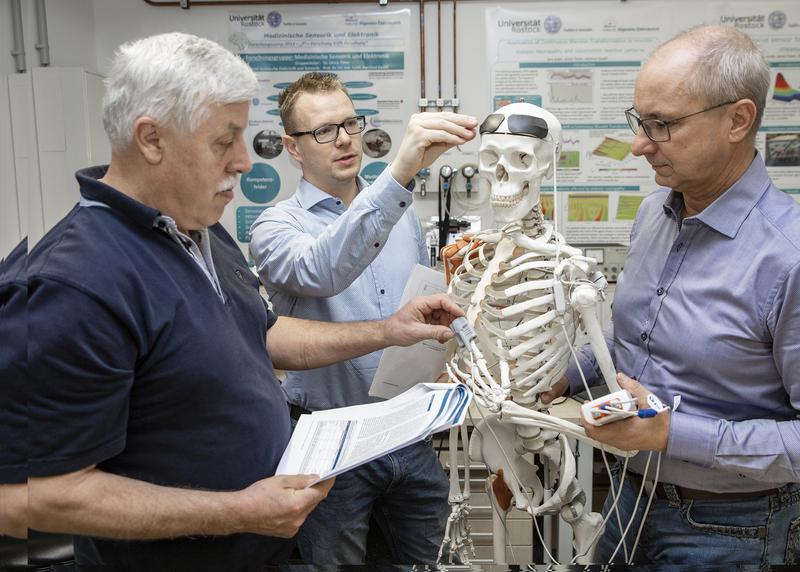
{"x": 709, "y": 309}
{"x": 321, "y": 260}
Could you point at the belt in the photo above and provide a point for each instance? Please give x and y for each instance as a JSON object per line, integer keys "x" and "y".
{"x": 695, "y": 494}
{"x": 295, "y": 411}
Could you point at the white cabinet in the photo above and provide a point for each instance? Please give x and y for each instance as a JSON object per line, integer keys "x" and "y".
{"x": 10, "y": 215}
{"x": 56, "y": 129}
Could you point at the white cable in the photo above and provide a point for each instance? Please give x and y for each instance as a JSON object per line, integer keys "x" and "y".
{"x": 647, "y": 507}
{"x": 624, "y": 533}
{"x": 608, "y": 470}
{"x": 578, "y": 363}
{"x": 615, "y": 494}
{"x": 555, "y": 201}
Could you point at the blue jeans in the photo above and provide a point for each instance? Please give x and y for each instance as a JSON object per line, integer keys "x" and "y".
{"x": 752, "y": 532}
{"x": 406, "y": 493}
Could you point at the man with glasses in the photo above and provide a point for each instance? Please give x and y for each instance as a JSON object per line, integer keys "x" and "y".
{"x": 341, "y": 250}
{"x": 708, "y": 310}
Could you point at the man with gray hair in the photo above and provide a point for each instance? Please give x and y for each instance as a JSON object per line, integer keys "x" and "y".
{"x": 156, "y": 419}
{"x": 708, "y": 311}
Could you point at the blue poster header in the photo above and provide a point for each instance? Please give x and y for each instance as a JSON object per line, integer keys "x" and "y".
{"x": 592, "y": 64}
{"x": 326, "y": 61}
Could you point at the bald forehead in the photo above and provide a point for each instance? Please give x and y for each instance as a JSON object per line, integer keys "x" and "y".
{"x": 659, "y": 83}
{"x": 677, "y": 57}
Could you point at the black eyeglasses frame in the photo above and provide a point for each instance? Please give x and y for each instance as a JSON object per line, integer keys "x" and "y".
{"x": 635, "y": 122}
{"x": 362, "y": 122}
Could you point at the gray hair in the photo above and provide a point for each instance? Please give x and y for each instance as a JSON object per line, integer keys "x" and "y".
{"x": 174, "y": 78}
{"x": 729, "y": 67}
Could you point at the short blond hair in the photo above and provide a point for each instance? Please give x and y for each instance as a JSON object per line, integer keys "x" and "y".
{"x": 312, "y": 82}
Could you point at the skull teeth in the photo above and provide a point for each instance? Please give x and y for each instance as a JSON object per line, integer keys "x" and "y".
{"x": 509, "y": 201}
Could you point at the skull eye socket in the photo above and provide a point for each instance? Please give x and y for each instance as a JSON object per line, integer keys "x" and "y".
{"x": 488, "y": 159}
{"x": 522, "y": 160}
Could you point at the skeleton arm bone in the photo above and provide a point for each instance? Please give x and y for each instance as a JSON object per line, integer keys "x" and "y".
{"x": 585, "y": 299}
{"x": 523, "y": 416}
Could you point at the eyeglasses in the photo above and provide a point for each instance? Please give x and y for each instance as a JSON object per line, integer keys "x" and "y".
{"x": 526, "y": 125}
{"x": 657, "y": 130}
{"x": 330, "y": 132}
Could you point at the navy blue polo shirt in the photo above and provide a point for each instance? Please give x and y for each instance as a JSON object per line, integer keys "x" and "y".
{"x": 138, "y": 366}
{"x": 13, "y": 362}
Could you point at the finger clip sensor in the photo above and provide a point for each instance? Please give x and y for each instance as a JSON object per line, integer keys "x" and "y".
{"x": 464, "y": 333}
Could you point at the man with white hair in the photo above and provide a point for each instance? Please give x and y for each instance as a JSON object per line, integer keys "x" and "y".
{"x": 156, "y": 419}
{"x": 708, "y": 310}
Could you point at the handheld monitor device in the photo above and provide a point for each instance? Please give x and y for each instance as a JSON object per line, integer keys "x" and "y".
{"x": 619, "y": 405}
{"x": 611, "y": 407}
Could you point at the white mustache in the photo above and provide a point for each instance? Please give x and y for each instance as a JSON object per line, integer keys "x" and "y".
{"x": 228, "y": 183}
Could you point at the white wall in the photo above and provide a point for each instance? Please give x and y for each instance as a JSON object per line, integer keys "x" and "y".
{"x": 10, "y": 223}
{"x": 86, "y": 33}
{"x": 122, "y": 20}
{"x": 72, "y": 43}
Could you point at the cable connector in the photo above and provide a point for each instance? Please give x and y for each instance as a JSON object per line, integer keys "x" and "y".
{"x": 599, "y": 280}
{"x": 463, "y": 332}
{"x": 559, "y": 298}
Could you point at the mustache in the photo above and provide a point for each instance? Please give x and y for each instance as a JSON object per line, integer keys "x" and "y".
{"x": 228, "y": 183}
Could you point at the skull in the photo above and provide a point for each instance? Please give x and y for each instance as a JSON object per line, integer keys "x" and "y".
{"x": 517, "y": 150}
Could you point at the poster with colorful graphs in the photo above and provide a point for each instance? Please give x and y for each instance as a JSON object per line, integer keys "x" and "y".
{"x": 774, "y": 27}
{"x": 783, "y": 91}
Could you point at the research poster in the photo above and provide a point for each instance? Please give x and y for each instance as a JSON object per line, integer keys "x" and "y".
{"x": 777, "y": 32}
{"x": 580, "y": 63}
{"x": 368, "y": 49}
{"x": 581, "y": 66}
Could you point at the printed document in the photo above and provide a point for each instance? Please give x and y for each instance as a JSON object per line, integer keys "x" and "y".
{"x": 330, "y": 442}
{"x": 401, "y": 368}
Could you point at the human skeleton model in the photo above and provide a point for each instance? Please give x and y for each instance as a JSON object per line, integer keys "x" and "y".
{"x": 525, "y": 293}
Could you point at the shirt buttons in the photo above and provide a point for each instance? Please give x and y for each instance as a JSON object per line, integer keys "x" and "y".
{"x": 338, "y": 202}
{"x": 402, "y": 203}
{"x": 659, "y": 292}
{"x": 679, "y": 247}
{"x": 644, "y": 337}
{"x": 377, "y": 244}
{"x": 383, "y": 291}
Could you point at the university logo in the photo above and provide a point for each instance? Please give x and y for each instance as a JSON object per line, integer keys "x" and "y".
{"x": 552, "y": 24}
{"x": 274, "y": 19}
{"x": 776, "y": 20}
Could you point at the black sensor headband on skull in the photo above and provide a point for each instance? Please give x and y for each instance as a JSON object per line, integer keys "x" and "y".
{"x": 526, "y": 125}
